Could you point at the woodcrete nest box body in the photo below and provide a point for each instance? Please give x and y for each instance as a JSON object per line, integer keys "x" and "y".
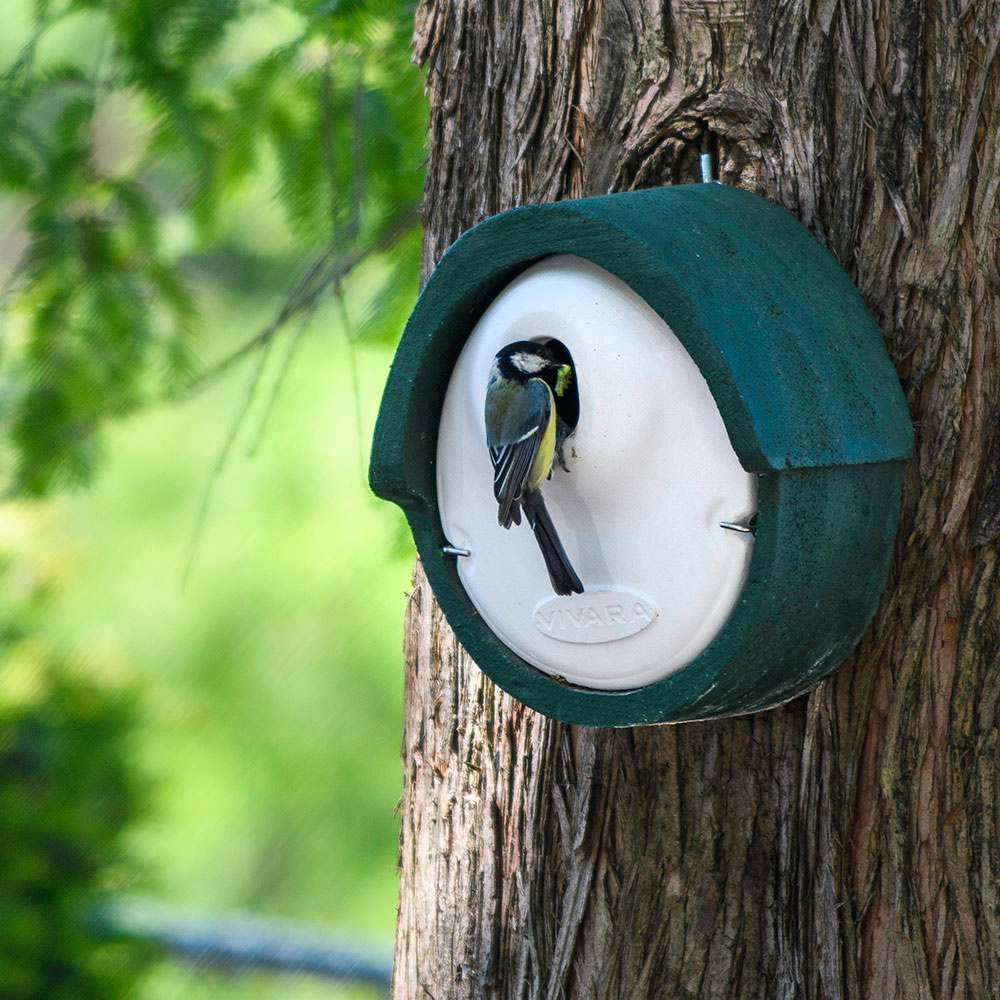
{"x": 733, "y": 473}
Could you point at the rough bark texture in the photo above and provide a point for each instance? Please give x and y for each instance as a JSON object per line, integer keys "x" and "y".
{"x": 847, "y": 844}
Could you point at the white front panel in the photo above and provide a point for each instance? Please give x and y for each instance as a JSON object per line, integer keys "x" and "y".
{"x": 652, "y": 475}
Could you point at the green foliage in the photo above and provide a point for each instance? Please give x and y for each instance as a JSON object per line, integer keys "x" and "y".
{"x": 131, "y": 130}
{"x": 182, "y": 184}
{"x": 272, "y": 692}
{"x": 66, "y": 798}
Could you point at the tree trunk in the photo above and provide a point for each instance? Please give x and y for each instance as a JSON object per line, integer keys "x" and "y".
{"x": 845, "y": 845}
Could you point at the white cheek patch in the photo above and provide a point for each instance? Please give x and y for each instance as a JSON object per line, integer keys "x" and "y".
{"x": 529, "y": 363}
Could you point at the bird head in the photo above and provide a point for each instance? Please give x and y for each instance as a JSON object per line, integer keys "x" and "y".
{"x": 527, "y": 359}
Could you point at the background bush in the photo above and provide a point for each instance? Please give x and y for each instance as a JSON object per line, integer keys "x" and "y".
{"x": 68, "y": 791}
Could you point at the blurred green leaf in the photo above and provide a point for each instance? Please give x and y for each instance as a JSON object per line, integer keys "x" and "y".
{"x": 134, "y": 130}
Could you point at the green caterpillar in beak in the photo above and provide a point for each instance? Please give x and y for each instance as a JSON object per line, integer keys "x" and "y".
{"x": 563, "y": 378}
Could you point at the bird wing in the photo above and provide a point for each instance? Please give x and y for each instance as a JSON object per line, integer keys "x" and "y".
{"x": 518, "y": 417}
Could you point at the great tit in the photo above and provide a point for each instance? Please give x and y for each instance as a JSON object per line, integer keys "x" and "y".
{"x": 521, "y": 432}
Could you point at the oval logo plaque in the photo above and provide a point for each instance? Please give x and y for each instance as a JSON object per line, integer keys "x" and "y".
{"x": 595, "y": 615}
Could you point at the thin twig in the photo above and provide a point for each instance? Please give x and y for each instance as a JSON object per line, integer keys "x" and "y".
{"x": 310, "y": 288}
{"x": 329, "y": 154}
{"x": 352, "y": 360}
{"x": 286, "y": 363}
{"x": 220, "y": 462}
{"x": 302, "y": 301}
{"x": 357, "y": 149}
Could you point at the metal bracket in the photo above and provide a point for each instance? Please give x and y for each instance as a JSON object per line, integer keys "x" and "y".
{"x": 745, "y": 529}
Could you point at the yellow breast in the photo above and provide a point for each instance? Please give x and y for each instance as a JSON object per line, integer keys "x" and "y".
{"x": 547, "y": 448}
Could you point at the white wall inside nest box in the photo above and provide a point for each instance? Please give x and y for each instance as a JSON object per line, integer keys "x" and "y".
{"x": 651, "y": 476}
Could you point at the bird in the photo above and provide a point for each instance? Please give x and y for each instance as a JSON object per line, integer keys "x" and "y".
{"x": 525, "y": 380}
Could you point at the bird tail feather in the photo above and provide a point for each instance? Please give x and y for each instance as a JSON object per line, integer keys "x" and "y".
{"x": 561, "y": 573}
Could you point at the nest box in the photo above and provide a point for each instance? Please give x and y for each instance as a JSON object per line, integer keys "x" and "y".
{"x": 732, "y": 480}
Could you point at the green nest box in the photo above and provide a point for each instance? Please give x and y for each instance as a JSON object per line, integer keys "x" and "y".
{"x": 730, "y": 486}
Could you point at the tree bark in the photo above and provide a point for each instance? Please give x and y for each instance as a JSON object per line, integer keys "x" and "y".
{"x": 845, "y": 845}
